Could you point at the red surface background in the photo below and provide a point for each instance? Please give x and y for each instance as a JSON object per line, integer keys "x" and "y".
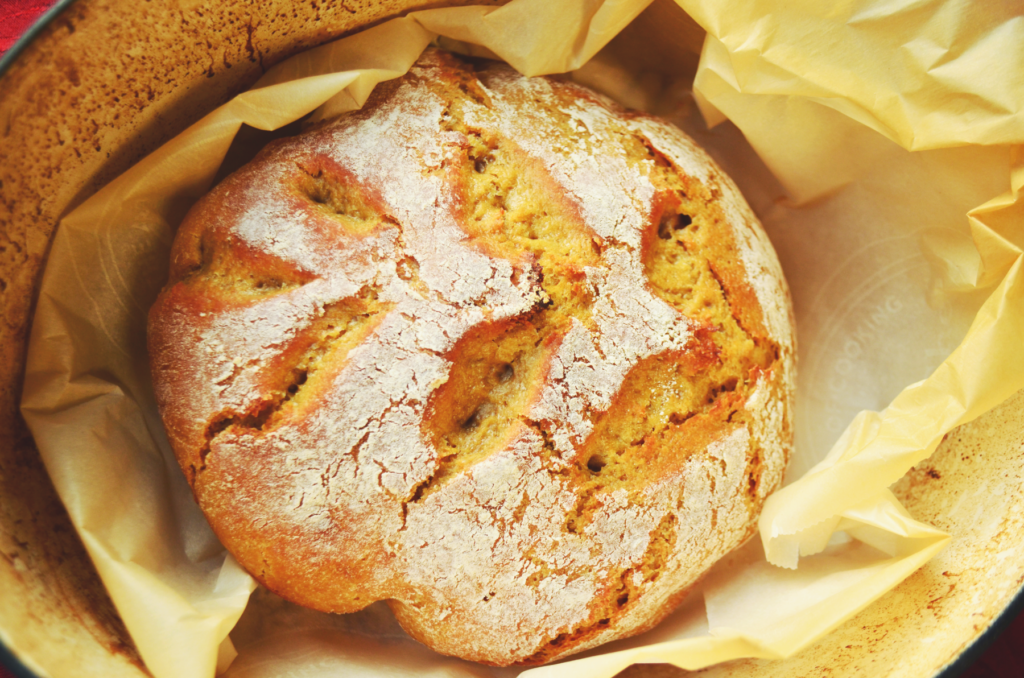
{"x": 1004, "y": 659}
{"x": 16, "y": 16}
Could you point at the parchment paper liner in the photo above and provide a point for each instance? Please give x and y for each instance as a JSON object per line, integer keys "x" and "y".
{"x": 871, "y": 236}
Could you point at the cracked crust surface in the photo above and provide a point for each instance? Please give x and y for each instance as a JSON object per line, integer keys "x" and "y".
{"x": 491, "y": 349}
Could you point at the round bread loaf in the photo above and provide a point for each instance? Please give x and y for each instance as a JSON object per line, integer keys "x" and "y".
{"x": 492, "y": 349}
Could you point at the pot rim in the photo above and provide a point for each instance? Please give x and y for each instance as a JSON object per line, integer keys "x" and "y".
{"x": 10, "y": 662}
{"x": 953, "y": 669}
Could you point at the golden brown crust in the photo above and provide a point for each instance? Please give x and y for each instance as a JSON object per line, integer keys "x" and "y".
{"x": 491, "y": 349}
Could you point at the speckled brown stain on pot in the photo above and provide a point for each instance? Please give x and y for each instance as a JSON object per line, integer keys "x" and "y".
{"x": 105, "y": 83}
